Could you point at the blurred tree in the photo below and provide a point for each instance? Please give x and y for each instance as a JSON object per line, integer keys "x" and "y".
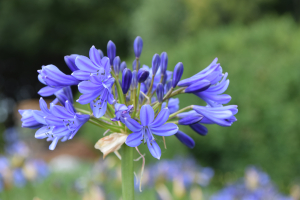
{"x": 41, "y": 32}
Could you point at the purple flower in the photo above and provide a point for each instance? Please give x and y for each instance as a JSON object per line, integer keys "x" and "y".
{"x": 28, "y": 120}
{"x": 95, "y": 65}
{"x": 97, "y": 92}
{"x": 185, "y": 139}
{"x": 142, "y": 75}
{"x": 123, "y": 66}
{"x": 121, "y": 112}
{"x": 111, "y": 51}
{"x": 164, "y": 62}
{"x": 70, "y": 61}
{"x": 160, "y": 92}
{"x": 117, "y": 63}
{"x": 148, "y": 127}
{"x": 59, "y": 122}
{"x": 178, "y": 71}
{"x": 126, "y": 80}
{"x": 138, "y": 46}
{"x": 64, "y": 94}
{"x": 223, "y": 115}
{"x": 55, "y": 80}
{"x": 19, "y": 178}
{"x": 173, "y": 105}
{"x": 155, "y": 63}
{"x": 213, "y": 95}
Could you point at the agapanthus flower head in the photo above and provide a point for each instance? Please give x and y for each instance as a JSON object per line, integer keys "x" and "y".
{"x": 138, "y": 46}
{"x": 144, "y": 132}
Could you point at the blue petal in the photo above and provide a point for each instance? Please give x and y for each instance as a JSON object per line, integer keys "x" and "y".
{"x": 53, "y": 121}
{"x": 60, "y": 131}
{"x": 200, "y": 129}
{"x": 81, "y": 75}
{"x": 70, "y": 108}
{"x": 154, "y": 149}
{"x": 39, "y": 116}
{"x": 165, "y": 130}
{"x": 133, "y": 125}
{"x": 48, "y": 91}
{"x": 87, "y": 98}
{"x": 86, "y": 87}
{"x": 161, "y": 118}
{"x": 134, "y": 139}
{"x": 85, "y": 64}
{"x": 42, "y": 132}
{"x": 99, "y": 110}
{"x": 95, "y": 55}
{"x": 54, "y": 143}
{"x": 60, "y": 112}
{"x": 146, "y": 115}
{"x": 43, "y": 106}
{"x": 185, "y": 139}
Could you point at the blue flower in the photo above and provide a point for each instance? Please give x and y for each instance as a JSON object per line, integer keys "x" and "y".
{"x": 148, "y": 127}
{"x": 19, "y": 178}
{"x": 121, "y": 112}
{"x": 97, "y": 92}
{"x": 173, "y": 105}
{"x": 58, "y": 122}
{"x": 28, "y": 120}
{"x": 95, "y": 65}
{"x": 55, "y": 80}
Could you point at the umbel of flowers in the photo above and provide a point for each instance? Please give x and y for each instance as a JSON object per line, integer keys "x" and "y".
{"x": 135, "y": 105}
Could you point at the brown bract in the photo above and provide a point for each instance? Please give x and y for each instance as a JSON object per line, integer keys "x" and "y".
{"x": 110, "y": 143}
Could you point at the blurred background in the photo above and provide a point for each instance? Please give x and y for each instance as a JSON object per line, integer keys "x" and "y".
{"x": 257, "y": 43}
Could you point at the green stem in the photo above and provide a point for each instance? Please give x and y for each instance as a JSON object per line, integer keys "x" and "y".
{"x": 119, "y": 89}
{"x": 127, "y": 172}
{"x": 180, "y": 111}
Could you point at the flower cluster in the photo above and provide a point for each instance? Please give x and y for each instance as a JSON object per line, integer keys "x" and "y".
{"x": 255, "y": 185}
{"x": 17, "y": 168}
{"x": 137, "y": 102}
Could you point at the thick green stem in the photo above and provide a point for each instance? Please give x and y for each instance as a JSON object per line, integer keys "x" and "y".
{"x": 127, "y": 173}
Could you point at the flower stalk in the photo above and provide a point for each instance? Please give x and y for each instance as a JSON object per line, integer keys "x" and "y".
{"x": 127, "y": 172}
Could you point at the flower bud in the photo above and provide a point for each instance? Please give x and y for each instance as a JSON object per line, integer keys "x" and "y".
{"x": 164, "y": 80}
{"x": 199, "y": 86}
{"x": 160, "y": 92}
{"x": 110, "y": 143}
{"x": 123, "y": 66}
{"x": 178, "y": 71}
{"x": 117, "y": 62}
{"x": 163, "y": 62}
{"x": 134, "y": 80}
{"x": 126, "y": 80}
{"x": 192, "y": 119}
{"x": 155, "y": 63}
{"x": 168, "y": 86}
{"x": 198, "y": 128}
{"x": 70, "y": 61}
{"x": 101, "y": 53}
{"x": 134, "y": 65}
{"x": 185, "y": 139}
{"x": 111, "y": 51}
{"x": 138, "y": 46}
{"x": 142, "y": 75}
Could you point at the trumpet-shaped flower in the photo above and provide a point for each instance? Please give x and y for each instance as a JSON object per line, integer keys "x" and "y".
{"x": 95, "y": 65}
{"x": 121, "y": 112}
{"x": 144, "y": 132}
{"x": 55, "y": 80}
{"x": 97, "y": 92}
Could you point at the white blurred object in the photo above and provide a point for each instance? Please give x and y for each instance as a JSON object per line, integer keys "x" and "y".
{"x": 64, "y": 163}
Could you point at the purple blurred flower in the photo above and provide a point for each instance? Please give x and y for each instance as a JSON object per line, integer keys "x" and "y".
{"x": 126, "y": 80}
{"x": 111, "y": 51}
{"x": 173, "y": 105}
{"x": 178, "y": 71}
{"x": 155, "y": 63}
{"x": 149, "y": 127}
{"x": 138, "y": 46}
{"x": 70, "y": 61}
{"x": 185, "y": 139}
